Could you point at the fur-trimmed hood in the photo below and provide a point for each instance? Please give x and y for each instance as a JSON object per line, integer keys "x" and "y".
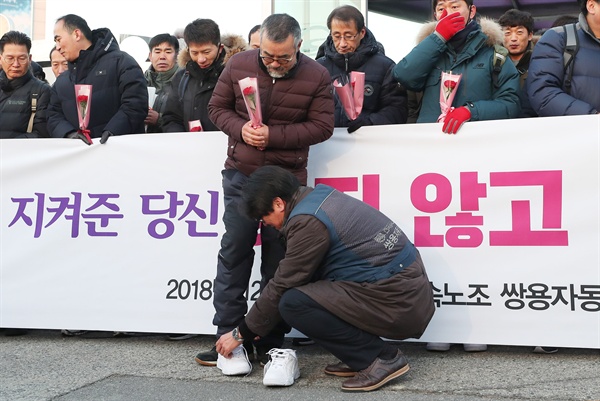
{"x": 232, "y": 44}
{"x": 489, "y": 27}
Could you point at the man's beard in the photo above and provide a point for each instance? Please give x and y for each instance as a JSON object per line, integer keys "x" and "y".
{"x": 280, "y": 74}
{"x": 277, "y": 74}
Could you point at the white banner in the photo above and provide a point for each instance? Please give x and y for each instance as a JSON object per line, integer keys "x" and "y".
{"x": 124, "y": 236}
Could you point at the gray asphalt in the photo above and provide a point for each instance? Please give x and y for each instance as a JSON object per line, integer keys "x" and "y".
{"x": 42, "y": 365}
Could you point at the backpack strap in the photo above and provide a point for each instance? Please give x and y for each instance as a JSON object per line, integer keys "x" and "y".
{"x": 34, "y": 98}
{"x": 500, "y": 54}
{"x": 571, "y": 49}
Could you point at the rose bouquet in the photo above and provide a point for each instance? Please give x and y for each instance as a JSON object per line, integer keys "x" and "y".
{"x": 448, "y": 87}
{"x": 83, "y": 99}
{"x": 249, "y": 87}
{"x": 195, "y": 126}
{"x": 351, "y": 91}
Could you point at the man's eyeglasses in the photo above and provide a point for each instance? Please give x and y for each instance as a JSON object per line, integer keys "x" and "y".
{"x": 281, "y": 61}
{"x": 10, "y": 59}
{"x": 347, "y": 37}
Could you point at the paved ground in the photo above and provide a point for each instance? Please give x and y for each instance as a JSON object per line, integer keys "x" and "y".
{"x": 44, "y": 366}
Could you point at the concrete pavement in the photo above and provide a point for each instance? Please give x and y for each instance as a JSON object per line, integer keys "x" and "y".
{"x": 42, "y": 365}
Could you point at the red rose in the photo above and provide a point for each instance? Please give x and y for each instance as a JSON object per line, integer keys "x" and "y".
{"x": 248, "y": 90}
{"x": 450, "y": 84}
{"x": 82, "y": 98}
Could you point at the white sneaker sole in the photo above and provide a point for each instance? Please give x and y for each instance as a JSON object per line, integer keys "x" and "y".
{"x": 274, "y": 382}
{"x": 234, "y": 372}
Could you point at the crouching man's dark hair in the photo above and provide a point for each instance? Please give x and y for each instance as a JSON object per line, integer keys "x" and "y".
{"x": 263, "y": 186}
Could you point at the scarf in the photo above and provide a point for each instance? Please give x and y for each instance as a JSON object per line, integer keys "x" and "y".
{"x": 159, "y": 79}
{"x": 459, "y": 40}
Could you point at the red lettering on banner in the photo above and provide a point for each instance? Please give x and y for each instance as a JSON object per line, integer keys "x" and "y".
{"x": 521, "y": 234}
{"x": 443, "y": 194}
{"x": 423, "y": 236}
{"x": 464, "y": 237}
{"x": 370, "y": 184}
{"x": 463, "y": 227}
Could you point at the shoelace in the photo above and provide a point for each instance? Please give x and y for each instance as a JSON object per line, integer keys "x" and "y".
{"x": 278, "y": 357}
{"x": 242, "y": 349}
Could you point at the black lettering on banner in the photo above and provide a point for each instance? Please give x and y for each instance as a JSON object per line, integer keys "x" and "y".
{"x": 183, "y": 289}
{"x": 206, "y": 290}
{"x": 256, "y": 293}
{"x": 188, "y": 287}
{"x": 169, "y": 296}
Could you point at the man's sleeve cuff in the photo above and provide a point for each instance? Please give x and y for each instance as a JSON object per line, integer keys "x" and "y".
{"x": 245, "y": 331}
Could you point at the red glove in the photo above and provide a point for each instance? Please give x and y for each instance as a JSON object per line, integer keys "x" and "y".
{"x": 449, "y": 25}
{"x": 455, "y": 119}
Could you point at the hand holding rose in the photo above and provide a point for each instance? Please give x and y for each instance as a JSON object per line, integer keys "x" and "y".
{"x": 257, "y": 137}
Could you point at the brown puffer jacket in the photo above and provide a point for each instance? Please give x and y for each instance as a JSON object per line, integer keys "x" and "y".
{"x": 398, "y": 307}
{"x": 298, "y": 110}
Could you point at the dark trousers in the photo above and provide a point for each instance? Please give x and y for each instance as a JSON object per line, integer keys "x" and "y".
{"x": 351, "y": 345}
{"x": 236, "y": 258}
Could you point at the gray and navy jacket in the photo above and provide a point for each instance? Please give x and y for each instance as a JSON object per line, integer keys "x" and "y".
{"x": 366, "y": 246}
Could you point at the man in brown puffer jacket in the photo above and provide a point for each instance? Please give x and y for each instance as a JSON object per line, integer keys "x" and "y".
{"x": 296, "y": 100}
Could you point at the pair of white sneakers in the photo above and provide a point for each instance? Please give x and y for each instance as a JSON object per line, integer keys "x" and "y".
{"x": 281, "y": 370}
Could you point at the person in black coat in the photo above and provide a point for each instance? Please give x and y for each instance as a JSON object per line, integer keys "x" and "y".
{"x": 201, "y": 63}
{"x": 23, "y": 98}
{"x": 349, "y": 47}
{"x": 119, "y": 100}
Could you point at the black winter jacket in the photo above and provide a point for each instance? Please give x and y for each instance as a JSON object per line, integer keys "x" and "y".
{"x": 197, "y": 88}
{"x": 119, "y": 101}
{"x": 384, "y": 100}
{"x": 15, "y": 106}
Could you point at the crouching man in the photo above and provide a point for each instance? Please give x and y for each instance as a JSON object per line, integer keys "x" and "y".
{"x": 349, "y": 277}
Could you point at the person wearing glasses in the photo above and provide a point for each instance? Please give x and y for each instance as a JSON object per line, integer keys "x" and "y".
{"x": 23, "y": 98}
{"x": 201, "y": 64}
{"x": 351, "y": 46}
{"x": 297, "y": 111}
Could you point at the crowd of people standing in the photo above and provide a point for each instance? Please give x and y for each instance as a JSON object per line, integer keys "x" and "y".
{"x": 504, "y": 74}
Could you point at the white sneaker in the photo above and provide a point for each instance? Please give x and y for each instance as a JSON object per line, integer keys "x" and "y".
{"x": 238, "y": 364}
{"x": 282, "y": 369}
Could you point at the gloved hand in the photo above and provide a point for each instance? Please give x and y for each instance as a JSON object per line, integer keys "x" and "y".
{"x": 455, "y": 118}
{"x": 77, "y": 135}
{"x": 449, "y": 25}
{"x": 105, "y": 136}
{"x": 360, "y": 121}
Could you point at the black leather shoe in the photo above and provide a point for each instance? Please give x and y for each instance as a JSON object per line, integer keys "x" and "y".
{"x": 208, "y": 358}
{"x": 377, "y": 374}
